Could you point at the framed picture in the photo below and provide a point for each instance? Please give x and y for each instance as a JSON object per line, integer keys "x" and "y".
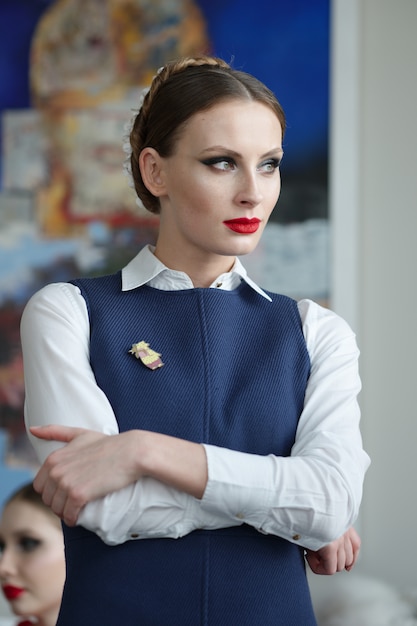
{"x": 66, "y": 96}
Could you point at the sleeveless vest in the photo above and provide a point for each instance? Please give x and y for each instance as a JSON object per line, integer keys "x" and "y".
{"x": 234, "y": 374}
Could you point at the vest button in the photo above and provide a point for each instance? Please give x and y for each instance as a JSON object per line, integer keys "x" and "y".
{"x": 296, "y": 537}
{"x": 134, "y": 536}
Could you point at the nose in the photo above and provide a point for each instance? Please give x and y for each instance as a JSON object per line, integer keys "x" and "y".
{"x": 7, "y": 563}
{"x": 249, "y": 192}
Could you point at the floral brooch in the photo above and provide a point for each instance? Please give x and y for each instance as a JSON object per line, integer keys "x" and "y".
{"x": 149, "y": 357}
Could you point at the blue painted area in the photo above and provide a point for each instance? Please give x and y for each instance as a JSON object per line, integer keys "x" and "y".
{"x": 11, "y": 478}
{"x": 285, "y": 43}
{"x": 18, "y": 19}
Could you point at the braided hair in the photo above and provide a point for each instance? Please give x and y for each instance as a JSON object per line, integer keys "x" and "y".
{"x": 179, "y": 90}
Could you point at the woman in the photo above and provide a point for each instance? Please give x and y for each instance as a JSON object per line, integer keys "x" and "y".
{"x": 236, "y": 442}
{"x": 32, "y": 563}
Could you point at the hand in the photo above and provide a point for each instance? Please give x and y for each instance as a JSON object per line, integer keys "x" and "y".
{"x": 90, "y": 466}
{"x": 339, "y": 555}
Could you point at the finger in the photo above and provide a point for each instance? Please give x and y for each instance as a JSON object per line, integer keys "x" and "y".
{"x": 355, "y": 556}
{"x": 311, "y": 560}
{"x": 315, "y": 562}
{"x": 355, "y": 540}
{"x": 349, "y": 555}
{"x": 330, "y": 565}
{"x": 40, "y": 480}
{"x": 355, "y": 543}
{"x": 54, "y": 432}
{"x": 49, "y": 493}
{"x": 311, "y": 557}
{"x": 70, "y": 513}
{"x": 341, "y": 557}
{"x": 58, "y": 502}
{"x": 43, "y": 483}
{"x": 329, "y": 558}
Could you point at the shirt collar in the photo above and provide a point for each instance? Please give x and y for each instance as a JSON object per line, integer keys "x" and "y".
{"x": 146, "y": 269}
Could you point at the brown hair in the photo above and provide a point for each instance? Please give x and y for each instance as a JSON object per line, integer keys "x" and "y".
{"x": 179, "y": 90}
{"x": 27, "y": 493}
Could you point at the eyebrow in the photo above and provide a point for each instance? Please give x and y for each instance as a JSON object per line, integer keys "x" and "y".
{"x": 25, "y": 532}
{"x": 233, "y": 153}
{"x": 19, "y": 534}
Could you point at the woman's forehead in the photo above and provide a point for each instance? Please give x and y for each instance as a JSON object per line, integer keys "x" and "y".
{"x": 21, "y": 514}
{"x": 236, "y": 121}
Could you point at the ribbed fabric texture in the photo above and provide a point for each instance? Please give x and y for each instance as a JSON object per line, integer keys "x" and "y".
{"x": 235, "y": 372}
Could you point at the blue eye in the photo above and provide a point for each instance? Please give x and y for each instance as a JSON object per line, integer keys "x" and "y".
{"x": 28, "y": 544}
{"x": 269, "y": 166}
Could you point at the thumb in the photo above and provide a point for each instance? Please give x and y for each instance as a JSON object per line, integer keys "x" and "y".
{"x": 55, "y": 432}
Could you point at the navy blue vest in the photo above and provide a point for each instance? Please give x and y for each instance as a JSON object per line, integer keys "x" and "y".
{"x": 234, "y": 375}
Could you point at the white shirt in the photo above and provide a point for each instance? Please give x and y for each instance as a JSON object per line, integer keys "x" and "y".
{"x": 310, "y": 498}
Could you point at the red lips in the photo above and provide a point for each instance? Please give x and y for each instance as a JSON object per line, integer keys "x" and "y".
{"x": 11, "y": 592}
{"x": 243, "y": 225}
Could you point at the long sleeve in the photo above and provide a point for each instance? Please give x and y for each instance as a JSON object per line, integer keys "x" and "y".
{"x": 313, "y": 496}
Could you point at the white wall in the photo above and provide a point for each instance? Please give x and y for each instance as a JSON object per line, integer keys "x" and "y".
{"x": 374, "y": 213}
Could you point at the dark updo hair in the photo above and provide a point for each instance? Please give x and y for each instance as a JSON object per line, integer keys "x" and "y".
{"x": 27, "y": 493}
{"x": 179, "y": 90}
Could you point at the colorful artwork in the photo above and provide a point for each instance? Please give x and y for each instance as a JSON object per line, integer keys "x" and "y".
{"x": 72, "y": 77}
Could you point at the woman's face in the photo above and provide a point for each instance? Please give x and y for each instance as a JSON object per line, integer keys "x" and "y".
{"x": 220, "y": 186}
{"x": 32, "y": 563}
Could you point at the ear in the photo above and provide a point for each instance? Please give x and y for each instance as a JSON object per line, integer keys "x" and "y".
{"x": 151, "y": 169}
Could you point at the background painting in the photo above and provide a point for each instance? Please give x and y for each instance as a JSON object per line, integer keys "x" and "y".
{"x": 70, "y": 76}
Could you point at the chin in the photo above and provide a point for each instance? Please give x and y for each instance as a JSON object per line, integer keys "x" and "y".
{"x": 246, "y": 249}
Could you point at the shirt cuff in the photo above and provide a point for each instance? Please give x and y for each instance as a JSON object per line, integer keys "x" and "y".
{"x": 243, "y": 487}
{"x": 147, "y": 509}
{"x": 237, "y": 485}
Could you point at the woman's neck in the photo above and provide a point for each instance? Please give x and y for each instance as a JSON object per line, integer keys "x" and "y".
{"x": 202, "y": 271}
